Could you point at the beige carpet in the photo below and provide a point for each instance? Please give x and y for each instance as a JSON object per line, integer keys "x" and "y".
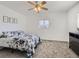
{"x": 47, "y": 49}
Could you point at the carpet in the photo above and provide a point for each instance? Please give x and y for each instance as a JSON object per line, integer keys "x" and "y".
{"x": 46, "y": 49}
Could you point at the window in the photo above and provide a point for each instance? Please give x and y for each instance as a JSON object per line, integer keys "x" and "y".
{"x": 78, "y": 21}
{"x": 44, "y": 24}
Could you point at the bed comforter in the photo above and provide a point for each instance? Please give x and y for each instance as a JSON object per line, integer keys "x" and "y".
{"x": 20, "y": 40}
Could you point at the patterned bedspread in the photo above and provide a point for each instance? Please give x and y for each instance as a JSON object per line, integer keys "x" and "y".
{"x": 21, "y": 40}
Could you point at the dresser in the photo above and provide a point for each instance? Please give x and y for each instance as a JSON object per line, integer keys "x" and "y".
{"x": 74, "y": 42}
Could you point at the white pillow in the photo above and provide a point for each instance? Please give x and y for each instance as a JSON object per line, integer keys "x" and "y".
{"x": 1, "y": 33}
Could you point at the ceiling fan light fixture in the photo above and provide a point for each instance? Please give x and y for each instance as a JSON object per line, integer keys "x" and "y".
{"x": 38, "y": 6}
{"x": 36, "y": 10}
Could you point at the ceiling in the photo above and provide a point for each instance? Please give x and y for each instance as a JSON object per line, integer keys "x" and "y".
{"x": 53, "y": 6}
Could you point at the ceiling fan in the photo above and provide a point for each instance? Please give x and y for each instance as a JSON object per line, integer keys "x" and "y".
{"x": 37, "y": 7}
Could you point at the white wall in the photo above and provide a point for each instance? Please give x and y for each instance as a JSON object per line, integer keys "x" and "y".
{"x": 21, "y": 20}
{"x": 57, "y": 28}
{"x": 29, "y": 23}
{"x": 72, "y": 17}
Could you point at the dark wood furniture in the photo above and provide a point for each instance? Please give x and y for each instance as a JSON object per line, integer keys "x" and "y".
{"x": 74, "y": 42}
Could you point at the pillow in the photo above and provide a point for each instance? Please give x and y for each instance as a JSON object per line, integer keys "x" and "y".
{"x": 1, "y": 33}
{"x": 9, "y": 34}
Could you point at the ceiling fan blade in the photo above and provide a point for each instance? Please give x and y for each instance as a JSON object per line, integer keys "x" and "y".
{"x": 30, "y": 2}
{"x": 44, "y": 8}
{"x": 43, "y": 2}
{"x": 36, "y": 2}
{"x": 30, "y": 9}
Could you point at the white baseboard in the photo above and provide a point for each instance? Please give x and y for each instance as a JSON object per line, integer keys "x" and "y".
{"x": 65, "y": 40}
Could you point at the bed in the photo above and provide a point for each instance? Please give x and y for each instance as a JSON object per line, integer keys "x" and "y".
{"x": 20, "y": 40}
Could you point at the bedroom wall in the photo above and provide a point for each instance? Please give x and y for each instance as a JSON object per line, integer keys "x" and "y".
{"x": 21, "y": 20}
{"x": 72, "y": 17}
{"x": 29, "y": 23}
{"x": 57, "y": 28}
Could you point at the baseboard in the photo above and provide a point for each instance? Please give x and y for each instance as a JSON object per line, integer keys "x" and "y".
{"x": 54, "y": 41}
{"x": 57, "y": 41}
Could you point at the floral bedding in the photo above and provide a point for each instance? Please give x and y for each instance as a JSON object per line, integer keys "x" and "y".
{"x": 20, "y": 40}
